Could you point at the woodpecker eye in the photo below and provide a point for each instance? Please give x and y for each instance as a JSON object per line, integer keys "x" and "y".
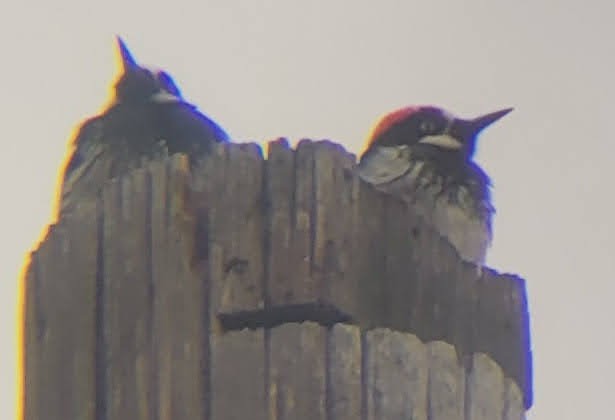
{"x": 427, "y": 127}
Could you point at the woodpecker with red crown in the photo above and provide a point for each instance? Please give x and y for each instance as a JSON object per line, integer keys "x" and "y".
{"x": 148, "y": 117}
{"x": 423, "y": 154}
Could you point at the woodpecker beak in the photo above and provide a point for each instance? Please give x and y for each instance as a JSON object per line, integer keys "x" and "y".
{"x": 128, "y": 62}
{"x": 466, "y": 130}
{"x": 478, "y": 124}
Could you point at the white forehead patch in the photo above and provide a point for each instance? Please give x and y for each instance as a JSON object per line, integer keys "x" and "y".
{"x": 444, "y": 141}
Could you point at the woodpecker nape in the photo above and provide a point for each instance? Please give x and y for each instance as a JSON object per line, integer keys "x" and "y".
{"x": 146, "y": 118}
{"x": 423, "y": 155}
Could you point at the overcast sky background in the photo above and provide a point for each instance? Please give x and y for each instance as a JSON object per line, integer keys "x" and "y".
{"x": 327, "y": 69}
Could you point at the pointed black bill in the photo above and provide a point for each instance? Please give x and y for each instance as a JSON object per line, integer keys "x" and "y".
{"x": 467, "y": 130}
{"x": 479, "y": 123}
{"x": 128, "y": 62}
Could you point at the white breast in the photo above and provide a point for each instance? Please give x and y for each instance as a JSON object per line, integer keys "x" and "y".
{"x": 453, "y": 213}
{"x": 470, "y": 235}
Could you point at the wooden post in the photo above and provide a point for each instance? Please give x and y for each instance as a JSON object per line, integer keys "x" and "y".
{"x": 283, "y": 288}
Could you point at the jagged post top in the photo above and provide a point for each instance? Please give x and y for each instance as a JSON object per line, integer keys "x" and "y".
{"x": 299, "y": 237}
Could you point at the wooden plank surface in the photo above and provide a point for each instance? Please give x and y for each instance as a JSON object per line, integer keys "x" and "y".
{"x": 342, "y": 289}
{"x": 227, "y": 203}
{"x": 344, "y": 373}
{"x": 370, "y": 259}
{"x": 304, "y": 287}
{"x": 157, "y": 172}
{"x": 79, "y": 289}
{"x": 295, "y": 238}
{"x": 279, "y": 185}
{"x": 422, "y": 299}
{"x": 514, "y": 408}
{"x": 158, "y": 214}
{"x": 209, "y": 195}
{"x": 396, "y": 376}
{"x": 127, "y": 299}
{"x": 335, "y": 198}
{"x": 297, "y": 371}
{"x": 179, "y": 298}
{"x": 464, "y": 322}
{"x": 493, "y": 333}
{"x": 446, "y": 383}
{"x": 484, "y": 389}
{"x": 443, "y": 263}
{"x": 238, "y": 376}
{"x": 401, "y": 280}
{"x": 54, "y": 357}
{"x": 60, "y": 309}
{"x": 242, "y": 233}
{"x": 502, "y": 329}
{"x": 521, "y": 348}
{"x": 308, "y": 245}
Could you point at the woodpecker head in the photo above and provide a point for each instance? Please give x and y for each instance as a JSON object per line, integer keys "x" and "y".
{"x": 425, "y": 130}
{"x": 140, "y": 85}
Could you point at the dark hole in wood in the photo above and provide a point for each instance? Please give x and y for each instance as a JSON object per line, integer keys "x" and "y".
{"x": 321, "y": 313}
{"x": 236, "y": 265}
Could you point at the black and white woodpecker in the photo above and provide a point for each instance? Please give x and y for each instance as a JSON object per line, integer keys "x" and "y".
{"x": 146, "y": 118}
{"x": 423, "y": 154}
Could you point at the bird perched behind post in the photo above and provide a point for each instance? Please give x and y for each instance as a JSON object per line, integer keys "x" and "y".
{"x": 423, "y": 154}
{"x": 147, "y": 117}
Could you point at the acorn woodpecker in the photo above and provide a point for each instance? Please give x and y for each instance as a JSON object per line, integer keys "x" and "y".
{"x": 147, "y": 117}
{"x": 423, "y": 154}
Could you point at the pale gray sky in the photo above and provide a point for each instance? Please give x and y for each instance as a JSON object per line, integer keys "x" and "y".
{"x": 327, "y": 69}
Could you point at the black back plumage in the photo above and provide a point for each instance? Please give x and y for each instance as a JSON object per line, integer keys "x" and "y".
{"x": 148, "y": 118}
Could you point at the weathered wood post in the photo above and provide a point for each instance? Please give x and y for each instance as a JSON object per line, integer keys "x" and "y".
{"x": 265, "y": 289}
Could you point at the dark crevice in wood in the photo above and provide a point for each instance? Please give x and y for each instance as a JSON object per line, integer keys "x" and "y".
{"x": 364, "y": 376}
{"x": 314, "y": 214}
{"x": 292, "y": 204}
{"x": 266, "y": 223}
{"x": 236, "y": 265}
{"x": 206, "y": 275}
{"x": 428, "y": 394}
{"x": 320, "y": 313}
{"x": 328, "y": 368}
{"x": 151, "y": 292}
{"x": 201, "y": 238}
{"x": 505, "y": 400}
{"x": 267, "y": 372}
{"x": 467, "y": 395}
{"x": 100, "y": 356}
